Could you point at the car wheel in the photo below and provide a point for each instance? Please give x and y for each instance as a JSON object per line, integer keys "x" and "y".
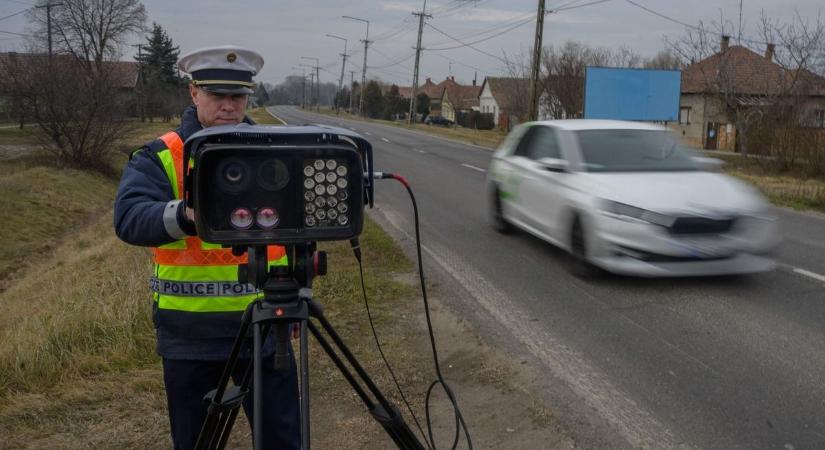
{"x": 579, "y": 265}
{"x": 500, "y": 224}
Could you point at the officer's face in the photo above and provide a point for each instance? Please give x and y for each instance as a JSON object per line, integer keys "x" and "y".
{"x": 218, "y": 109}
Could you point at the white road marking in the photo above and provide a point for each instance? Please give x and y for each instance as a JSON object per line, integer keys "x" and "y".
{"x": 273, "y": 115}
{"x": 419, "y": 151}
{"x": 631, "y": 420}
{"x": 351, "y": 128}
{"x": 809, "y": 274}
{"x": 474, "y": 168}
{"x": 368, "y": 133}
{"x": 385, "y": 140}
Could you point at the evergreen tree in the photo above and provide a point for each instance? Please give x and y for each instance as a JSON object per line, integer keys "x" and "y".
{"x": 163, "y": 93}
{"x": 392, "y": 103}
{"x": 422, "y": 104}
{"x": 373, "y": 100}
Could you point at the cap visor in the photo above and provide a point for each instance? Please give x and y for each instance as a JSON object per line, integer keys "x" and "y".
{"x": 227, "y": 89}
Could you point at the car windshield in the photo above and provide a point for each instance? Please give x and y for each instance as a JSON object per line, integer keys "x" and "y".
{"x": 633, "y": 151}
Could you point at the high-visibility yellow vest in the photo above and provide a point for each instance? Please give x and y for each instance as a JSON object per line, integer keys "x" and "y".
{"x": 194, "y": 276}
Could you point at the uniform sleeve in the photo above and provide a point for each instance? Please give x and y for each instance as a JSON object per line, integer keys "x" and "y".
{"x": 146, "y": 212}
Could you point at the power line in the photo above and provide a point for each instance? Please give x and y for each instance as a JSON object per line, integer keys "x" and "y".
{"x": 15, "y": 14}
{"x": 467, "y": 44}
{"x": 394, "y": 62}
{"x": 690, "y": 26}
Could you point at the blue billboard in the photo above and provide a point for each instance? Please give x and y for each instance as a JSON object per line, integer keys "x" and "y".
{"x": 632, "y": 94}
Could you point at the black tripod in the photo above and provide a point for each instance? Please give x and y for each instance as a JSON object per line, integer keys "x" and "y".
{"x": 288, "y": 300}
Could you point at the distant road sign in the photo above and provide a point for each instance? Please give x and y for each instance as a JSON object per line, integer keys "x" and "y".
{"x": 632, "y": 94}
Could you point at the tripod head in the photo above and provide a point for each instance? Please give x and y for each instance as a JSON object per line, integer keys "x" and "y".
{"x": 304, "y": 263}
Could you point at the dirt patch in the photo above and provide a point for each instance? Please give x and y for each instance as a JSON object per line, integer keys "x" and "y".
{"x": 499, "y": 413}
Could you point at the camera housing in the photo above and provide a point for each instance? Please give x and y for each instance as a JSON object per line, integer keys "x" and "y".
{"x": 256, "y": 185}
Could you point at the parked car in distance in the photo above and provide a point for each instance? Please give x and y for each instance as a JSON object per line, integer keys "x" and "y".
{"x": 437, "y": 120}
{"x": 627, "y": 198}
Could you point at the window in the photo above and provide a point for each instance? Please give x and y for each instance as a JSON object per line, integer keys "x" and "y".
{"x": 523, "y": 148}
{"x": 632, "y": 151}
{"x": 819, "y": 118}
{"x": 684, "y": 115}
{"x": 544, "y": 144}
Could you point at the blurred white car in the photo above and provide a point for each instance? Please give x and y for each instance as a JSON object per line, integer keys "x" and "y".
{"x": 627, "y": 198}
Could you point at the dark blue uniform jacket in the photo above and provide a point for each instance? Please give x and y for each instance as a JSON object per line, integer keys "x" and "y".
{"x": 143, "y": 193}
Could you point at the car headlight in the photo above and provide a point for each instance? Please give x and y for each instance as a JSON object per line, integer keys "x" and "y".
{"x": 630, "y": 213}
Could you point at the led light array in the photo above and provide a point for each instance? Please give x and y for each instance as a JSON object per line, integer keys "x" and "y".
{"x": 326, "y": 193}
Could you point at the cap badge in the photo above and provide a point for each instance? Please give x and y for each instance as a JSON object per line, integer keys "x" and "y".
{"x": 231, "y": 57}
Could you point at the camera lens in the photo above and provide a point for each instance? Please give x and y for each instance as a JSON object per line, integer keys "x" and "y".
{"x": 233, "y": 175}
{"x": 267, "y": 218}
{"x": 241, "y": 218}
{"x": 273, "y": 175}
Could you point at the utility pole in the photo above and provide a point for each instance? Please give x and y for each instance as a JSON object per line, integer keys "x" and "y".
{"x": 366, "y": 42}
{"x": 533, "y": 111}
{"x": 351, "y": 88}
{"x": 49, "y": 7}
{"x": 317, "y": 82}
{"x": 421, "y": 15}
{"x": 142, "y": 81}
{"x": 303, "y": 86}
{"x": 343, "y": 67}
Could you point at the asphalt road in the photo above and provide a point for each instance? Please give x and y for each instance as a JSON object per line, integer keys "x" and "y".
{"x": 719, "y": 363}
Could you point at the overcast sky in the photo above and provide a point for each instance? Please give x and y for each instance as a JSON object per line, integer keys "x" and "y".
{"x": 283, "y": 32}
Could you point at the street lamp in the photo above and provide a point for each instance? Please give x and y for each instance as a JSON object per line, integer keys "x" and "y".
{"x": 363, "y": 69}
{"x": 317, "y": 82}
{"x": 343, "y": 66}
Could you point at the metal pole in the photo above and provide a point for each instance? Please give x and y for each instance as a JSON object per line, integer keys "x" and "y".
{"x": 366, "y": 42}
{"x": 413, "y": 91}
{"x": 48, "y": 7}
{"x": 351, "y": 88}
{"x": 534, "y": 73}
{"x": 343, "y": 66}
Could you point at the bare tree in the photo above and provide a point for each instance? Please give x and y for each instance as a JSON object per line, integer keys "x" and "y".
{"x": 564, "y": 69}
{"x": 664, "y": 60}
{"x": 626, "y": 57}
{"x": 91, "y": 30}
{"x": 79, "y": 98}
{"x": 517, "y": 86}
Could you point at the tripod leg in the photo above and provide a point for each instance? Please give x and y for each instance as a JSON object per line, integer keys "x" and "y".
{"x": 257, "y": 388}
{"x": 304, "y": 386}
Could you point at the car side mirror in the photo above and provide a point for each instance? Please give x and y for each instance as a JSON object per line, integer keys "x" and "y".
{"x": 708, "y": 164}
{"x": 553, "y": 164}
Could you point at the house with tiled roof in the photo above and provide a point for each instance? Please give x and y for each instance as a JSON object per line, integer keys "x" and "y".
{"x": 458, "y": 98}
{"x": 736, "y": 81}
{"x": 506, "y": 99}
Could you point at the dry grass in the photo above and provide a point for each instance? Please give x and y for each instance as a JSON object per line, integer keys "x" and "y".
{"x": 786, "y": 189}
{"x": 484, "y": 138}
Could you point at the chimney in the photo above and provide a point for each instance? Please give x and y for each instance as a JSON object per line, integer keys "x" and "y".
{"x": 725, "y": 43}
{"x": 769, "y": 52}
{"x": 428, "y": 81}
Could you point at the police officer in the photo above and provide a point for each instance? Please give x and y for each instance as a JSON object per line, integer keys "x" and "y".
{"x": 198, "y": 301}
